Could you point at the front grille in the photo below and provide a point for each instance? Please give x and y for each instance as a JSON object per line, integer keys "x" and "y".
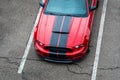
{"x": 58, "y": 49}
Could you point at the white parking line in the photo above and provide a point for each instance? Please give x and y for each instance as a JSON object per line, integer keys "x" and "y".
{"x": 99, "y": 41}
{"x": 26, "y": 52}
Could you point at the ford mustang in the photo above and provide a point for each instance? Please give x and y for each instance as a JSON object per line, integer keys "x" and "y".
{"x": 63, "y": 30}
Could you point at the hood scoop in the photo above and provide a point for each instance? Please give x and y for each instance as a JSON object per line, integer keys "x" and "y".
{"x": 60, "y": 32}
{"x": 62, "y": 25}
{"x": 65, "y": 29}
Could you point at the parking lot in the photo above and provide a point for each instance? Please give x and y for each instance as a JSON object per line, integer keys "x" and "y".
{"x": 17, "y": 18}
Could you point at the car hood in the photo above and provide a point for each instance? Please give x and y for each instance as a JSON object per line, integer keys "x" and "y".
{"x": 62, "y": 31}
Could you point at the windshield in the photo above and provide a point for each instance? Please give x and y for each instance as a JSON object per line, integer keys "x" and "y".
{"x": 67, "y": 8}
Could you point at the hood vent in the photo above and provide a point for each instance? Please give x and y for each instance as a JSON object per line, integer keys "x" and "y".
{"x": 60, "y": 32}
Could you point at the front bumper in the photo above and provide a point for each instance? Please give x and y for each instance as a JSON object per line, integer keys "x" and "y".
{"x": 69, "y": 58}
{"x": 58, "y": 60}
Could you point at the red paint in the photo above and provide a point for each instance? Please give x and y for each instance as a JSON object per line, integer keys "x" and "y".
{"x": 79, "y": 33}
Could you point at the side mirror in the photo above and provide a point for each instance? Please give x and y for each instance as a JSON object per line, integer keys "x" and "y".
{"x": 42, "y": 4}
{"x": 92, "y": 8}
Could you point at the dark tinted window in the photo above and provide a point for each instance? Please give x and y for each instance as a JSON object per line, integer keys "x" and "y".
{"x": 90, "y": 2}
{"x": 67, "y": 7}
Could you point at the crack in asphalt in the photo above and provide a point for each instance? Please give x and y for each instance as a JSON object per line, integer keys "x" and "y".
{"x": 21, "y": 58}
{"x": 9, "y": 61}
{"x": 15, "y": 63}
{"x": 113, "y": 68}
{"x": 79, "y": 73}
{"x": 34, "y": 59}
{"x": 9, "y": 68}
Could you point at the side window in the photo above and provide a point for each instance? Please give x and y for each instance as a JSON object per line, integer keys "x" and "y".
{"x": 90, "y": 2}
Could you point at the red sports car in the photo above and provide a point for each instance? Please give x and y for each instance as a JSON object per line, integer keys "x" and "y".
{"x": 63, "y": 30}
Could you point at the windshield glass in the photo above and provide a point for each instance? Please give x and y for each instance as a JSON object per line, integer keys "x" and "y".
{"x": 67, "y": 7}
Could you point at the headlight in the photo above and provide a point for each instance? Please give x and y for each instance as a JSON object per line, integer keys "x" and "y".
{"x": 40, "y": 43}
{"x": 79, "y": 46}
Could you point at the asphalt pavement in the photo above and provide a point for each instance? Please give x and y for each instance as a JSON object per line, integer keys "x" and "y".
{"x": 16, "y": 21}
{"x": 109, "y": 64}
{"x": 17, "y": 18}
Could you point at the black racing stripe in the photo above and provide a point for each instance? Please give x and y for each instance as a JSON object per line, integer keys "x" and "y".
{"x": 64, "y": 37}
{"x": 55, "y": 52}
{"x": 55, "y": 36}
{"x": 58, "y": 23}
{"x": 66, "y": 25}
{"x": 54, "y": 39}
{"x": 65, "y": 28}
{"x": 63, "y": 40}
